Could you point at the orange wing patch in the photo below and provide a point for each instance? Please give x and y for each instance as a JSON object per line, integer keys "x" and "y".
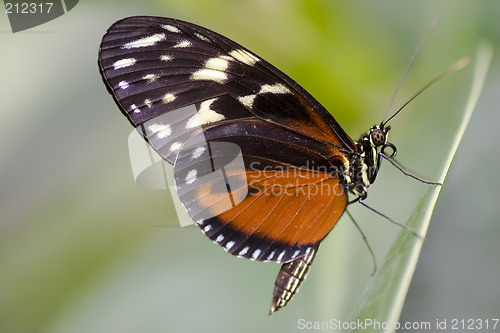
{"x": 294, "y": 207}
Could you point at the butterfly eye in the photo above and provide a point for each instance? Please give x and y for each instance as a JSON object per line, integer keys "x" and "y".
{"x": 378, "y": 136}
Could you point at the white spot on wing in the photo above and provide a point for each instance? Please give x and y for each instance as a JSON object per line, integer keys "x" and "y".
{"x": 122, "y": 63}
{"x": 200, "y": 36}
{"x": 123, "y": 85}
{"x": 167, "y": 98}
{"x": 244, "y": 57}
{"x": 151, "y": 77}
{"x": 145, "y": 41}
{"x": 229, "y": 245}
{"x": 175, "y": 146}
{"x": 220, "y": 64}
{"x": 170, "y": 28}
{"x": 182, "y": 44}
{"x": 295, "y": 254}
{"x": 190, "y": 178}
{"x": 271, "y": 255}
{"x": 148, "y": 102}
{"x": 281, "y": 255}
{"x": 244, "y": 251}
{"x": 247, "y": 100}
{"x": 255, "y": 254}
{"x": 219, "y": 238}
{"x": 165, "y": 57}
{"x": 161, "y": 130}
{"x": 198, "y": 152}
{"x": 214, "y": 70}
{"x": 207, "y": 228}
{"x": 209, "y": 75}
{"x": 204, "y": 116}
{"x": 134, "y": 108}
{"x": 277, "y": 88}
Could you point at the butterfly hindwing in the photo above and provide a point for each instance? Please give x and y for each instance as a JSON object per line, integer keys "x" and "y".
{"x": 268, "y": 206}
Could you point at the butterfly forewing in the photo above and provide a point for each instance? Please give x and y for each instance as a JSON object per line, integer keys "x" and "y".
{"x": 268, "y": 206}
{"x": 155, "y": 65}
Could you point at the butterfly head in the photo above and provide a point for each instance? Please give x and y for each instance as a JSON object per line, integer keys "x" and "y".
{"x": 365, "y": 162}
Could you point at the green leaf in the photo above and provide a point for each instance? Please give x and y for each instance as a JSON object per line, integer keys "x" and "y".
{"x": 385, "y": 293}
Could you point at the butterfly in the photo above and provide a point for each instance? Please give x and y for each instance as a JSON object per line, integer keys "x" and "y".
{"x": 263, "y": 169}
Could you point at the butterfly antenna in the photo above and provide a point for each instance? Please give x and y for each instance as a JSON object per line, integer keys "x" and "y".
{"x": 410, "y": 63}
{"x": 452, "y": 69}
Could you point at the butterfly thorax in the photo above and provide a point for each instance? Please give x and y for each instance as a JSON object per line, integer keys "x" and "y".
{"x": 365, "y": 162}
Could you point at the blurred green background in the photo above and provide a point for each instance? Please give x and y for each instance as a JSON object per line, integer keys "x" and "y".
{"x": 84, "y": 249}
